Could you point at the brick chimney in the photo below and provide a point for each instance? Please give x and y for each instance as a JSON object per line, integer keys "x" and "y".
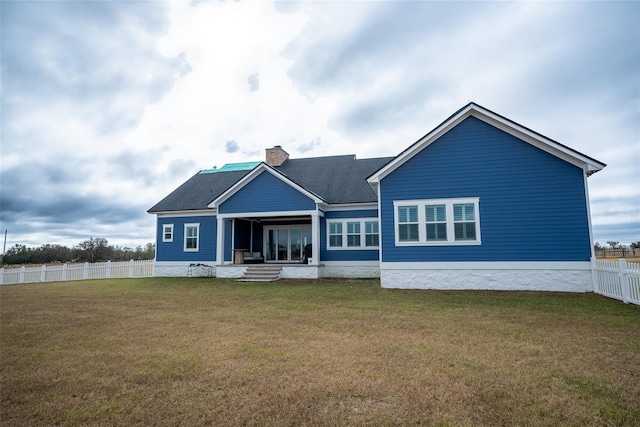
{"x": 276, "y": 156}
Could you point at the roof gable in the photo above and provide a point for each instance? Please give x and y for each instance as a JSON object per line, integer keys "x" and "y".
{"x": 588, "y": 164}
{"x": 331, "y": 179}
{"x": 257, "y": 171}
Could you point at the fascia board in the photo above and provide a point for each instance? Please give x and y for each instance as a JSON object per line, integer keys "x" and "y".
{"x": 262, "y": 167}
{"x": 199, "y": 212}
{"x": 349, "y": 206}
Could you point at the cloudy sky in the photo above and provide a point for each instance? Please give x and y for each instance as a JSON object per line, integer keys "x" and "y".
{"x": 107, "y": 106}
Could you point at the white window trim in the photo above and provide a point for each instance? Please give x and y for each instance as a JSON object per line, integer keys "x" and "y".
{"x": 422, "y": 228}
{"x": 437, "y": 222}
{"x": 197, "y": 248}
{"x": 357, "y": 235}
{"x": 363, "y": 235}
{"x": 341, "y": 234}
{"x": 164, "y": 227}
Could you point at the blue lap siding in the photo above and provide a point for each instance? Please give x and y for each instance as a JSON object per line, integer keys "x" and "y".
{"x": 266, "y": 193}
{"x": 348, "y": 254}
{"x": 356, "y": 213}
{"x": 174, "y": 251}
{"x": 532, "y": 204}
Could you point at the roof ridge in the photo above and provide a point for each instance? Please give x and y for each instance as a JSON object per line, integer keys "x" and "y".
{"x": 232, "y": 167}
{"x": 352, "y": 156}
{"x": 325, "y": 157}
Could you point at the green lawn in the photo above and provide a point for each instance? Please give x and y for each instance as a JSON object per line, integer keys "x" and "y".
{"x": 218, "y": 352}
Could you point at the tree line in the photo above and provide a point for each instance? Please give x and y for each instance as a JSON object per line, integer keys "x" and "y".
{"x": 92, "y": 250}
{"x": 615, "y": 249}
{"x": 616, "y": 245}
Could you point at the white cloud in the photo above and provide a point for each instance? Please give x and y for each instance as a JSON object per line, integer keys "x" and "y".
{"x": 104, "y": 112}
{"x": 225, "y": 43}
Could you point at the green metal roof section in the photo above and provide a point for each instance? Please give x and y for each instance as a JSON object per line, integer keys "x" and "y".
{"x": 232, "y": 167}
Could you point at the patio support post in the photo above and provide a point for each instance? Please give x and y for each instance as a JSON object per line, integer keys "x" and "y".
{"x": 251, "y": 236}
{"x": 315, "y": 238}
{"x": 233, "y": 239}
{"x": 220, "y": 241}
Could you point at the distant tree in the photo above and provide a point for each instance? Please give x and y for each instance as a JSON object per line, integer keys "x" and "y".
{"x": 92, "y": 250}
{"x": 635, "y": 245}
{"x": 46, "y": 254}
{"x": 597, "y": 246}
{"x": 613, "y": 244}
{"x": 149, "y": 251}
{"x": 18, "y": 254}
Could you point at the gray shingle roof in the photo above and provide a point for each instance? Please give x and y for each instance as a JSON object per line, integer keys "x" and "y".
{"x": 198, "y": 191}
{"x": 336, "y": 179}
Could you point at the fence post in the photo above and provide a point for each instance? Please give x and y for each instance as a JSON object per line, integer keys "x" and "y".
{"x": 131, "y": 268}
{"x": 21, "y": 278}
{"x": 85, "y": 272}
{"x": 43, "y": 273}
{"x": 594, "y": 275}
{"x": 64, "y": 271}
{"x": 2, "y": 276}
{"x": 108, "y": 273}
{"x": 624, "y": 280}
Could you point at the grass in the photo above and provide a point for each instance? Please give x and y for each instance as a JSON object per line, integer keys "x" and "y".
{"x": 213, "y": 352}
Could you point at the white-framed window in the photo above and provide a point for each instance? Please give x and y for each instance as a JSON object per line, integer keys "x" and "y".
{"x": 191, "y": 237}
{"x": 464, "y": 221}
{"x": 167, "y": 232}
{"x": 408, "y": 225}
{"x": 371, "y": 234}
{"x": 437, "y": 222}
{"x": 353, "y": 233}
{"x": 436, "y": 219}
{"x": 335, "y": 235}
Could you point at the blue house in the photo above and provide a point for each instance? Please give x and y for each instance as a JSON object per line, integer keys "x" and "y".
{"x": 480, "y": 202}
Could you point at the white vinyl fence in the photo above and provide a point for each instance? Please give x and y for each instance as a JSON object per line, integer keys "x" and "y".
{"x": 63, "y": 272}
{"x": 617, "y": 279}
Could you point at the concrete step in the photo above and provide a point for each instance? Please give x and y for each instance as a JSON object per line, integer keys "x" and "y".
{"x": 261, "y": 273}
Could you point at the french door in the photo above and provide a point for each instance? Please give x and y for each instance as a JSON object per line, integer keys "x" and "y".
{"x": 286, "y": 243}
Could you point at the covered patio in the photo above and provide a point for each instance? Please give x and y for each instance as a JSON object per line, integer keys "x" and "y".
{"x": 289, "y": 240}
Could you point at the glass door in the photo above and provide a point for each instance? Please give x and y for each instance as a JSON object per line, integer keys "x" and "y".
{"x": 286, "y": 244}
{"x": 283, "y": 244}
{"x": 296, "y": 244}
